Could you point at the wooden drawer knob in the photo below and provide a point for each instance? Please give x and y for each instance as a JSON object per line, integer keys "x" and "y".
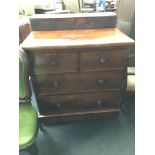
{"x": 58, "y": 105}
{"x": 103, "y": 60}
{"x": 99, "y": 102}
{"x": 54, "y": 63}
{"x": 100, "y": 82}
{"x": 56, "y": 84}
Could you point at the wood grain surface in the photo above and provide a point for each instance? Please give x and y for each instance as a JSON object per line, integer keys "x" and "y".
{"x": 76, "y": 39}
{"x": 78, "y": 102}
{"x": 75, "y": 82}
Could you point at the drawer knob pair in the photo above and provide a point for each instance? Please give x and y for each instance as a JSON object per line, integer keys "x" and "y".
{"x": 103, "y": 60}
{"x": 54, "y": 63}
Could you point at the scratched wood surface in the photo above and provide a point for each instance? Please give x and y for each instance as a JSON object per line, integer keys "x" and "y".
{"x": 76, "y": 39}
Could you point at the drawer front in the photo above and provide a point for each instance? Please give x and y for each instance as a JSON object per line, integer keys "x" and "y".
{"x": 102, "y": 59}
{"x": 90, "y": 81}
{"x": 45, "y": 62}
{"x": 78, "y": 102}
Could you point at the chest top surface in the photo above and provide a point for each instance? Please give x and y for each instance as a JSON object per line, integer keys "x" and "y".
{"x": 76, "y": 39}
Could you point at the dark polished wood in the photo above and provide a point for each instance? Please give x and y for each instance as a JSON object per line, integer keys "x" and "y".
{"x": 75, "y": 82}
{"x": 77, "y": 73}
{"x": 76, "y": 21}
{"x": 73, "y": 60}
{"x": 66, "y": 39}
{"x": 92, "y": 59}
{"x": 78, "y": 102}
{"x": 55, "y": 62}
{"x": 91, "y": 114}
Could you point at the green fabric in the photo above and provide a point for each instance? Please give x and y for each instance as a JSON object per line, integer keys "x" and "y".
{"x": 28, "y": 125}
{"x": 22, "y": 89}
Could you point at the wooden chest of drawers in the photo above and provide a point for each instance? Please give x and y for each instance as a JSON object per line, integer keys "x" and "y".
{"x": 78, "y": 73}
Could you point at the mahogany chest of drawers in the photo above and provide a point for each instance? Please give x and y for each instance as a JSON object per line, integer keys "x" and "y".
{"x": 77, "y": 73}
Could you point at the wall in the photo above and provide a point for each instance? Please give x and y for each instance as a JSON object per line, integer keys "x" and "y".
{"x": 126, "y": 23}
{"x": 126, "y": 13}
{"x": 126, "y": 10}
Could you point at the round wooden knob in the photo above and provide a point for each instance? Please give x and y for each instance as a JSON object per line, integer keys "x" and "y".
{"x": 58, "y": 105}
{"x": 56, "y": 84}
{"x": 99, "y": 102}
{"x": 100, "y": 82}
{"x": 54, "y": 63}
{"x": 103, "y": 60}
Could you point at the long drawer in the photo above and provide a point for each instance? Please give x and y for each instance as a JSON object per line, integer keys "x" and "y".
{"x": 92, "y": 59}
{"x": 78, "y": 102}
{"x": 53, "y": 62}
{"x": 89, "y": 81}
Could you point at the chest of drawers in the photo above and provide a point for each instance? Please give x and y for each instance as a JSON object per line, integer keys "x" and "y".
{"x": 77, "y": 73}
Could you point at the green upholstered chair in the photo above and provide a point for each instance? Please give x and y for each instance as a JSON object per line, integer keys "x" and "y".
{"x": 28, "y": 117}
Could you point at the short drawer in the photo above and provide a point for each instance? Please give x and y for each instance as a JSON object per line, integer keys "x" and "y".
{"x": 78, "y": 102}
{"x": 102, "y": 59}
{"x": 53, "y": 62}
{"x": 90, "y": 81}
